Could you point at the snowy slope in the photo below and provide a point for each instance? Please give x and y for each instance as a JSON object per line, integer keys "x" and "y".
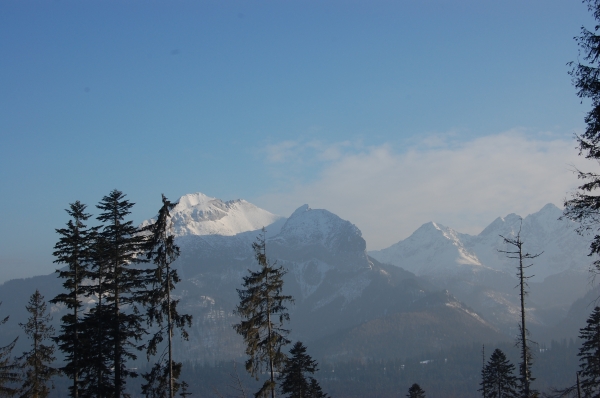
{"x": 198, "y": 214}
{"x": 319, "y": 227}
{"x": 437, "y": 250}
{"x": 431, "y": 249}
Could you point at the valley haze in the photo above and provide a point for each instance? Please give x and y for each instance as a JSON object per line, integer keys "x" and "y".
{"x": 435, "y": 289}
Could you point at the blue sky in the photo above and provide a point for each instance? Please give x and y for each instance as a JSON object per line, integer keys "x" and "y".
{"x": 347, "y": 105}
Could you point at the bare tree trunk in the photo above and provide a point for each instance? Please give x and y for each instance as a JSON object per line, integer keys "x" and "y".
{"x": 170, "y": 331}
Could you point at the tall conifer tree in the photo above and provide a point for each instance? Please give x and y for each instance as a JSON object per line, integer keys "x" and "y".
{"x": 96, "y": 344}
{"x": 73, "y": 249}
{"x": 523, "y": 341}
{"x": 36, "y": 362}
{"x": 263, "y": 310}
{"x": 123, "y": 284}
{"x": 415, "y": 391}
{"x": 497, "y": 379}
{"x": 162, "y": 309}
{"x": 9, "y": 374}
{"x": 589, "y": 355}
{"x": 296, "y": 376}
{"x": 585, "y": 202}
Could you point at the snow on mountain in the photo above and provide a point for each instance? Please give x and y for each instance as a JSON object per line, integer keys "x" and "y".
{"x": 561, "y": 247}
{"x": 198, "y": 214}
{"x": 320, "y": 227}
{"x": 314, "y": 242}
{"x": 429, "y": 250}
{"x": 434, "y": 249}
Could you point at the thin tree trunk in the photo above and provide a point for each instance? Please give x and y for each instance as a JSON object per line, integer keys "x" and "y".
{"x": 524, "y": 353}
{"x": 269, "y": 329}
{"x": 117, "y": 360}
{"x": 170, "y": 328}
{"x": 482, "y": 370}
{"x": 35, "y": 358}
{"x": 76, "y": 342}
{"x": 99, "y": 329}
{"x": 270, "y": 349}
{"x": 116, "y": 326}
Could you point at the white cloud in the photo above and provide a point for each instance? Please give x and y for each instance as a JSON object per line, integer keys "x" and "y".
{"x": 307, "y": 152}
{"x": 389, "y": 194}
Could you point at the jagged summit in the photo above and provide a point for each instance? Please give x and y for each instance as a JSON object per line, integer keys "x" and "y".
{"x": 431, "y": 249}
{"x": 436, "y": 249}
{"x": 199, "y": 214}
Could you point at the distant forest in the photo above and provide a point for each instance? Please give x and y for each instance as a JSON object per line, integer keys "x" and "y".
{"x": 451, "y": 373}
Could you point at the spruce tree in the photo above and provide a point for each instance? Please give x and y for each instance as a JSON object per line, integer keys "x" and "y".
{"x": 263, "y": 311}
{"x": 96, "y": 344}
{"x": 9, "y": 368}
{"x": 36, "y": 362}
{"x": 497, "y": 379}
{"x": 585, "y": 202}
{"x": 73, "y": 249}
{"x": 589, "y": 355}
{"x": 295, "y": 379}
{"x": 162, "y": 309}
{"x": 523, "y": 341}
{"x": 314, "y": 390}
{"x": 415, "y": 391}
{"x": 123, "y": 284}
{"x": 158, "y": 380}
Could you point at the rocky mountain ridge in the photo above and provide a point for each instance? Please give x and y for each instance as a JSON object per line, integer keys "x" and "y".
{"x": 441, "y": 288}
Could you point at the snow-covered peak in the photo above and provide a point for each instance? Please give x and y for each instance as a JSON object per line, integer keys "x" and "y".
{"x": 434, "y": 248}
{"x": 199, "y": 214}
{"x": 308, "y": 226}
{"x": 197, "y": 199}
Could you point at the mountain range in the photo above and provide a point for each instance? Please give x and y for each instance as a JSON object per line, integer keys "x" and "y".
{"x": 435, "y": 289}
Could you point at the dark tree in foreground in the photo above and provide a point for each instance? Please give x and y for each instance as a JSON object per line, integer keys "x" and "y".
{"x": 9, "y": 368}
{"x": 37, "y": 372}
{"x": 157, "y": 380}
{"x": 123, "y": 284}
{"x": 97, "y": 352}
{"x": 415, "y": 391}
{"x": 73, "y": 249}
{"x": 523, "y": 341}
{"x": 584, "y": 205}
{"x": 497, "y": 379}
{"x": 263, "y": 311}
{"x": 589, "y": 355}
{"x": 315, "y": 391}
{"x": 295, "y": 377}
{"x": 162, "y": 309}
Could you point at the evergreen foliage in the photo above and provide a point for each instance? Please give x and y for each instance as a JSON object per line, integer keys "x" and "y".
{"x": 294, "y": 379}
{"x": 9, "y": 368}
{"x": 162, "y": 309}
{"x": 589, "y": 355}
{"x": 263, "y": 312}
{"x": 415, "y": 391}
{"x": 497, "y": 379}
{"x": 122, "y": 285}
{"x": 523, "y": 341}
{"x": 315, "y": 390}
{"x": 36, "y": 362}
{"x": 74, "y": 248}
{"x": 97, "y": 345}
{"x": 157, "y": 380}
{"x": 451, "y": 373}
{"x": 584, "y": 203}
